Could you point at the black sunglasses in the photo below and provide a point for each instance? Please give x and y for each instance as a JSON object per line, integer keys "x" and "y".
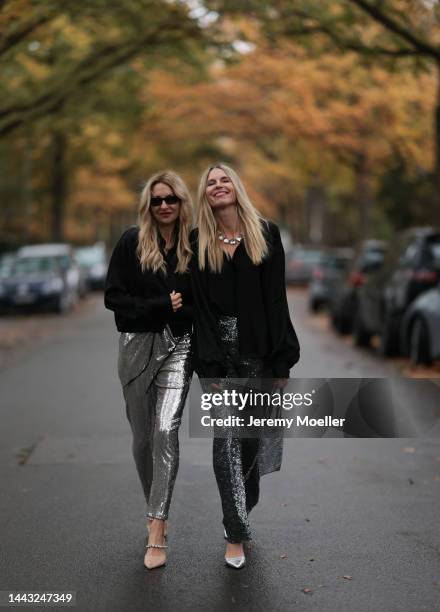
{"x": 169, "y": 199}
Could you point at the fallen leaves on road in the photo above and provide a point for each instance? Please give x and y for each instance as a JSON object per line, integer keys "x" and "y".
{"x": 412, "y": 371}
{"x": 347, "y": 577}
{"x": 284, "y": 556}
{"x": 307, "y": 590}
{"x": 409, "y": 449}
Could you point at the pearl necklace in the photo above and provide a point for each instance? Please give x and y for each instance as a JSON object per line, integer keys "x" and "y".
{"x": 232, "y": 241}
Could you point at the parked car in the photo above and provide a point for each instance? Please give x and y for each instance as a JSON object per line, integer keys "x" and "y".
{"x": 93, "y": 261}
{"x": 343, "y": 298}
{"x": 300, "y": 262}
{"x": 42, "y": 276}
{"x": 420, "y": 331}
{"x": 326, "y": 274}
{"x": 6, "y": 264}
{"x": 412, "y": 266}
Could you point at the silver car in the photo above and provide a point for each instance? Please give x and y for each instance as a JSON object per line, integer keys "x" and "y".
{"x": 421, "y": 328}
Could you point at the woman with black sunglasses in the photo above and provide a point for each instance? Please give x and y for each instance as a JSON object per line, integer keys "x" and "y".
{"x": 147, "y": 287}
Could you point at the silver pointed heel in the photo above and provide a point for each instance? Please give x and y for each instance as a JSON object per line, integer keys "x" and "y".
{"x": 236, "y": 562}
{"x": 225, "y": 534}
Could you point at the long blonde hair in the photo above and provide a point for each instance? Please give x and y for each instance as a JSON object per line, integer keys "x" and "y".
{"x": 249, "y": 217}
{"x": 148, "y": 249}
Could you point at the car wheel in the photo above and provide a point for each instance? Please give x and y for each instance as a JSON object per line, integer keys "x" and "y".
{"x": 361, "y": 335}
{"x": 340, "y": 324}
{"x": 345, "y": 326}
{"x": 419, "y": 345}
{"x": 389, "y": 337}
{"x": 314, "y": 305}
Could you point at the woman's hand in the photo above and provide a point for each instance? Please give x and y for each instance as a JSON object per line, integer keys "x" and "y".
{"x": 176, "y": 300}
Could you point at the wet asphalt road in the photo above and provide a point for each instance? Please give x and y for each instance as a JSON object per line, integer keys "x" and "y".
{"x": 353, "y": 520}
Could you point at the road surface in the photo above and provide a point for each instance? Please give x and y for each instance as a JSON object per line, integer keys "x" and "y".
{"x": 347, "y": 524}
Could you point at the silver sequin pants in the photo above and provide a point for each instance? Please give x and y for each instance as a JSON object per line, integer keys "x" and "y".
{"x": 235, "y": 460}
{"x": 156, "y": 369}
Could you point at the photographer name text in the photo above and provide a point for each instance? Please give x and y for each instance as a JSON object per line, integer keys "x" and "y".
{"x": 298, "y": 421}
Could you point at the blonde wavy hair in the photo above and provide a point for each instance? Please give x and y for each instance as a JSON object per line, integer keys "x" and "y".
{"x": 249, "y": 218}
{"x": 148, "y": 249}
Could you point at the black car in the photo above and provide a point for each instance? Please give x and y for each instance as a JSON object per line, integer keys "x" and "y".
{"x": 412, "y": 266}
{"x": 42, "y": 276}
{"x": 327, "y": 275}
{"x": 344, "y": 296}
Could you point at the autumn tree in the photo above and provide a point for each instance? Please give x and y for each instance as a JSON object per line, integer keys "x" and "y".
{"x": 67, "y": 64}
{"x": 397, "y": 35}
{"x": 302, "y": 127}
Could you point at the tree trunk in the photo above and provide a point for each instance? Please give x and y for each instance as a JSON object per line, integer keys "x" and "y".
{"x": 315, "y": 209}
{"x": 26, "y": 188}
{"x": 363, "y": 198}
{"x": 58, "y": 185}
{"x": 437, "y": 139}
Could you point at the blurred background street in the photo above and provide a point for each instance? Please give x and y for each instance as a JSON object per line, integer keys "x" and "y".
{"x": 330, "y": 113}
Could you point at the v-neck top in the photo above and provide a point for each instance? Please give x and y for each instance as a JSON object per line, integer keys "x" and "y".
{"x": 140, "y": 299}
{"x": 223, "y": 287}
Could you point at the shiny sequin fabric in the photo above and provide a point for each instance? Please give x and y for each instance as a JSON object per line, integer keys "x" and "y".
{"x": 239, "y": 462}
{"x": 155, "y": 371}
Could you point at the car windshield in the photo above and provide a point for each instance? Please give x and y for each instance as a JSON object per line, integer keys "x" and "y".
{"x": 371, "y": 259}
{"x": 335, "y": 263}
{"x": 32, "y": 265}
{"x": 89, "y": 256}
{"x": 312, "y": 257}
{"x": 6, "y": 266}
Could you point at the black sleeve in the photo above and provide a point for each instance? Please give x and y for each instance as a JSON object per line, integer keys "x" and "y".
{"x": 285, "y": 346}
{"x": 209, "y": 356}
{"x": 186, "y": 312}
{"x": 117, "y": 296}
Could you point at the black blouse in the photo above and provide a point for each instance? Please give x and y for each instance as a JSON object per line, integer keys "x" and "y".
{"x": 257, "y": 296}
{"x": 223, "y": 288}
{"x": 141, "y": 300}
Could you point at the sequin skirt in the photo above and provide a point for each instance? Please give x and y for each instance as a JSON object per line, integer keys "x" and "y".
{"x": 239, "y": 462}
{"x": 270, "y": 449}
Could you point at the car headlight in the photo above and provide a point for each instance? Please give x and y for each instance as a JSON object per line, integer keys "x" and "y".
{"x": 52, "y": 286}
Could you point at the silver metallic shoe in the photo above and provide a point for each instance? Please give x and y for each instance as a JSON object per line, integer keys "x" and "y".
{"x": 236, "y": 562}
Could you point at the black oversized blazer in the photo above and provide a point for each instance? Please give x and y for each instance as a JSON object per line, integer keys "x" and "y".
{"x": 141, "y": 299}
{"x": 264, "y": 326}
